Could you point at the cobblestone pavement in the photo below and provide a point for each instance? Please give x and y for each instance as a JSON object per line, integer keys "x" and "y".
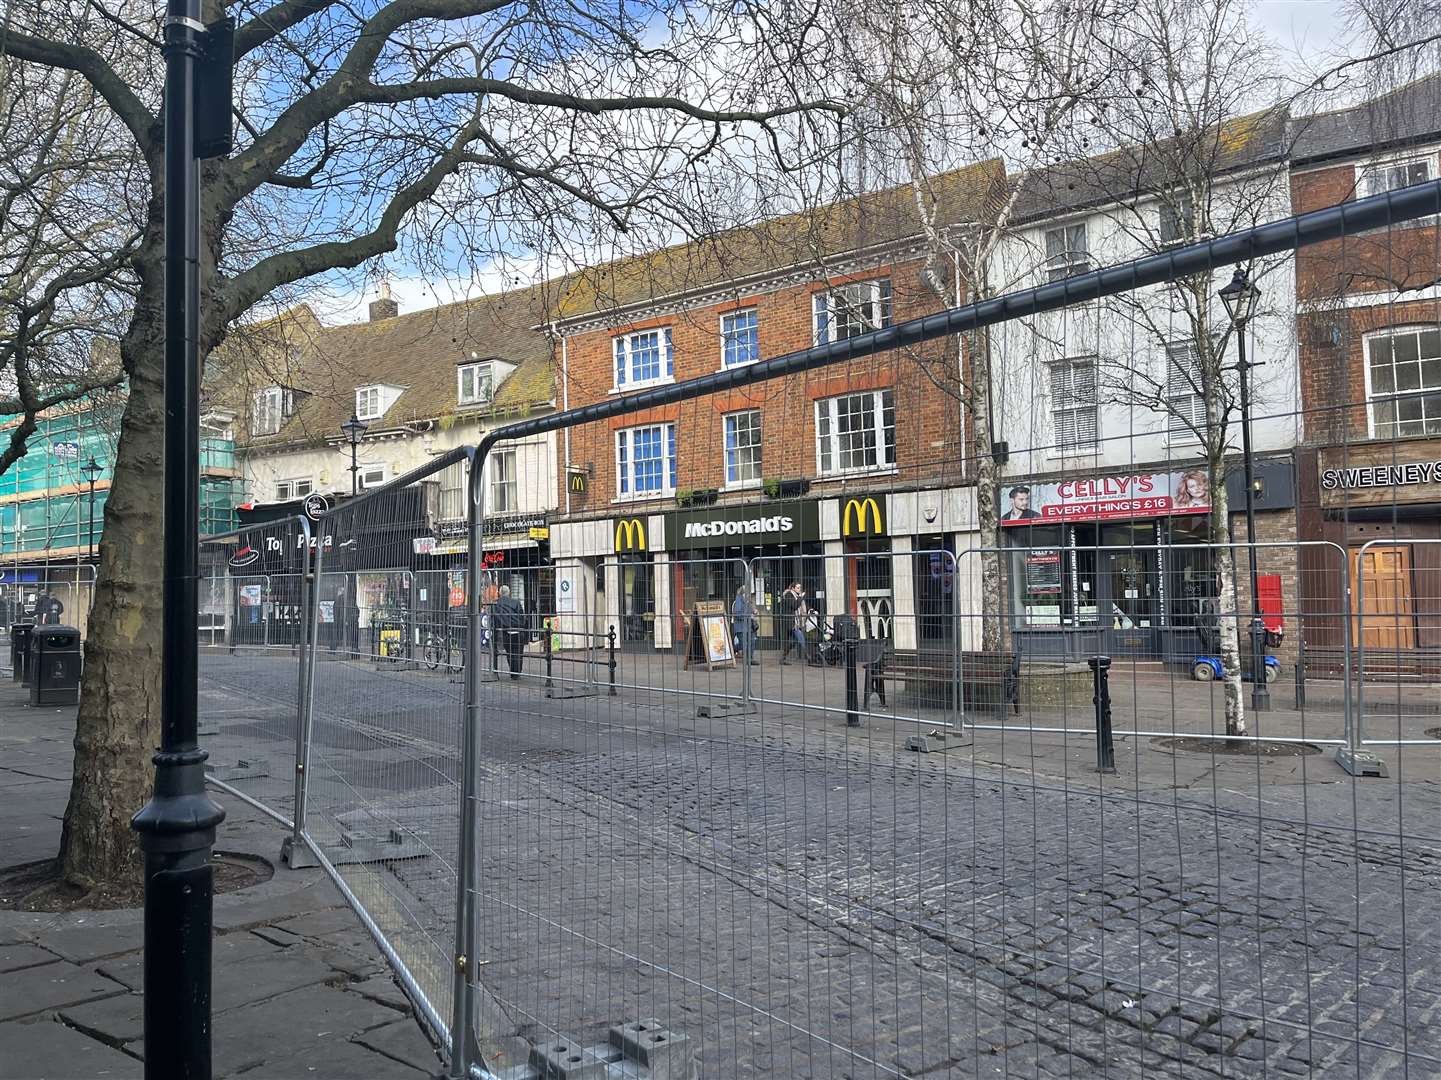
{"x": 802, "y": 899}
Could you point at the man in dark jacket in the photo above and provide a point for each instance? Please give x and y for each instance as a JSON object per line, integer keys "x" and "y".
{"x": 508, "y": 617}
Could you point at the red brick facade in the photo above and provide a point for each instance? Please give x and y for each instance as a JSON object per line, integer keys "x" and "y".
{"x": 929, "y": 447}
{"x": 1330, "y": 278}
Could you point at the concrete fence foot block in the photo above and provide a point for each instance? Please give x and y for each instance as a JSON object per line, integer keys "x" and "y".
{"x": 662, "y": 1053}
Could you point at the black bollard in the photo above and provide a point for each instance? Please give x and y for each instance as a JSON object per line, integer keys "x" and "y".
{"x": 549, "y": 654}
{"x": 1105, "y": 749}
{"x": 1301, "y": 680}
{"x": 610, "y": 645}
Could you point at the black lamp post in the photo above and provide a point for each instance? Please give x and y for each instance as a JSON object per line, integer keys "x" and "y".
{"x": 354, "y": 431}
{"x": 92, "y": 471}
{"x": 1240, "y": 298}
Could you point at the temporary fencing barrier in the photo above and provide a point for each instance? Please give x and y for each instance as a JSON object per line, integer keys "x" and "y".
{"x": 758, "y": 870}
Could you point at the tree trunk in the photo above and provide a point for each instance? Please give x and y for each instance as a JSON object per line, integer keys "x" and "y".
{"x": 118, "y": 727}
{"x": 1225, "y": 561}
{"x": 993, "y": 594}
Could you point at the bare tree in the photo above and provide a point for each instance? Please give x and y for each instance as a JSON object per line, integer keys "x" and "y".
{"x": 941, "y": 84}
{"x": 1193, "y": 160}
{"x": 420, "y": 128}
{"x": 63, "y": 289}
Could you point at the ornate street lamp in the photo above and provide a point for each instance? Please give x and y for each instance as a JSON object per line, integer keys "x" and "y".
{"x": 354, "y": 430}
{"x": 1240, "y": 298}
{"x": 92, "y": 471}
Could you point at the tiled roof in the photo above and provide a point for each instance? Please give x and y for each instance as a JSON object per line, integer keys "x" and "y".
{"x": 1122, "y": 175}
{"x": 1410, "y": 113}
{"x": 810, "y": 237}
{"x": 418, "y": 351}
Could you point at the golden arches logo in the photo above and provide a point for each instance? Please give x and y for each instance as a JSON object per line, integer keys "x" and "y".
{"x": 862, "y": 516}
{"x": 630, "y": 535}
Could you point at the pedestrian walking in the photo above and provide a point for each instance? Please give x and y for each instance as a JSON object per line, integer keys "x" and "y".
{"x": 509, "y": 618}
{"x": 746, "y": 623}
{"x": 796, "y": 618}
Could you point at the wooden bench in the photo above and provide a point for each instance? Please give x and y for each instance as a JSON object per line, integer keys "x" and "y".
{"x": 989, "y": 679}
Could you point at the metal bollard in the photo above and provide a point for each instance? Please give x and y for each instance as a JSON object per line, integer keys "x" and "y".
{"x": 549, "y": 654}
{"x": 853, "y": 718}
{"x": 610, "y": 645}
{"x": 1105, "y": 749}
{"x": 494, "y": 650}
{"x": 1301, "y": 682}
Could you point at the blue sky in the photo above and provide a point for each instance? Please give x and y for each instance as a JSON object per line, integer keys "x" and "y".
{"x": 1308, "y": 32}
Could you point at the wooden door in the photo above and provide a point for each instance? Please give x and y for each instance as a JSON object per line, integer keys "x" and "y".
{"x": 1383, "y": 585}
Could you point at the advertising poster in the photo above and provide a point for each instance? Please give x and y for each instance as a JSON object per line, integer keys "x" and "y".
{"x": 1106, "y": 498}
{"x": 250, "y": 596}
{"x": 565, "y": 590}
{"x": 455, "y": 582}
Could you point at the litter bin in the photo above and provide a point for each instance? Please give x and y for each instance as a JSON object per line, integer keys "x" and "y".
{"x": 55, "y": 658}
{"x": 20, "y": 648}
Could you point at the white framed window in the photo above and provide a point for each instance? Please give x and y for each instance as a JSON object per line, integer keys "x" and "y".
{"x": 368, "y": 403}
{"x": 856, "y": 433}
{"x": 1384, "y": 176}
{"x": 645, "y": 461}
{"x": 1068, "y": 251}
{"x": 643, "y": 358}
{"x": 452, "y": 493}
{"x": 504, "y": 487}
{"x": 1185, "y": 404}
{"x": 743, "y": 447}
{"x": 1075, "y": 406}
{"x": 740, "y": 338}
{"x": 285, "y": 490}
{"x": 1178, "y": 218}
{"x": 272, "y": 409}
{"x": 1403, "y": 382}
{"x": 851, "y": 310}
{"x": 372, "y": 476}
{"x": 474, "y": 384}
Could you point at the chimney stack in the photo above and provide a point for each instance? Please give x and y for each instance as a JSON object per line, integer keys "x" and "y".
{"x": 385, "y": 307}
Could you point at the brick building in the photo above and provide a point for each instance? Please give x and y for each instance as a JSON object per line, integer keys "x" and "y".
{"x": 1369, "y": 333}
{"x": 834, "y": 479}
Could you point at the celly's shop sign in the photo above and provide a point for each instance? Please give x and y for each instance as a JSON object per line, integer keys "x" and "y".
{"x": 765, "y": 522}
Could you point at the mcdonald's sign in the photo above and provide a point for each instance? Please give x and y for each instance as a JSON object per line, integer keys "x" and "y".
{"x": 861, "y": 517}
{"x": 630, "y": 535}
{"x": 576, "y": 481}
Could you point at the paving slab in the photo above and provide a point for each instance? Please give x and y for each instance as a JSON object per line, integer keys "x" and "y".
{"x": 225, "y": 950}
{"x": 19, "y": 955}
{"x": 115, "y": 1019}
{"x": 239, "y": 913}
{"x": 302, "y": 1024}
{"x": 51, "y": 986}
{"x": 48, "y": 1050}
{"x": 341, "y": 1061}
{"x": 384, "y": 989}
{"x": 318, "y": 923}
{"x": 403, "y": 1041}
{"x": 84, "y": 944}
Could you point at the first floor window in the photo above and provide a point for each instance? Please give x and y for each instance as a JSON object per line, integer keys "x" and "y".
{"x": 1404, "y": 377}
{"x": 285, "y": 490}
{"x": 1185, "y": 404}
{"x": 504, "y": 488}
{"x": 452, "y": 493}
{"x": 855, "y": 432}
{"x": 740, "y": 338}
{"x": 644, "y": 357}
{"x": 743, "y": 446}
{"x": 1074, "y": 404}
{"x": 645, "y": 460}
{"x": 1067, "y": 251}
{"x": 852, "y": 310}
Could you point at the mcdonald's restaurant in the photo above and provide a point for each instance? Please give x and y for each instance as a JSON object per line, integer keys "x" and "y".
{"x": 888, "y": 558}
